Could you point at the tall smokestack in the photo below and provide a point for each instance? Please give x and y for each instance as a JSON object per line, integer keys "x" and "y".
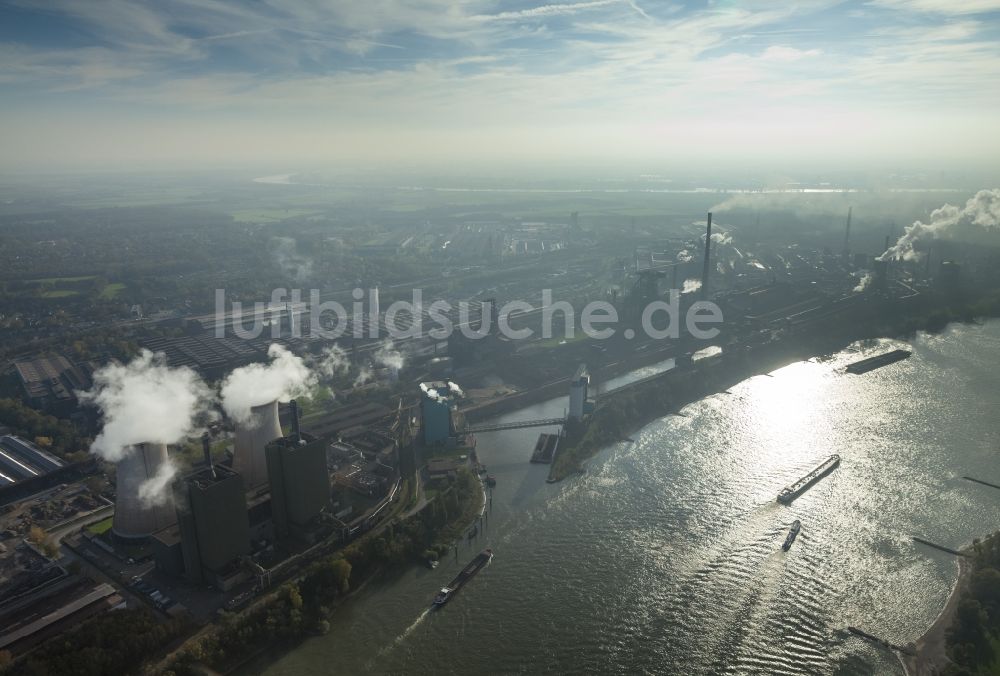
{"x": 708, "y": 252}
{"x": 135, "y": 517}
{"x": 847, "y": 234}
{"x": 252, "y": 437}
{"x": 294, "y": 409}
{"x": 206, "y": 448}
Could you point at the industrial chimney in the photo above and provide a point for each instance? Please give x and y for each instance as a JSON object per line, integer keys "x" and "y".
{"x": 134, "y": 517}
{"x": 252, "y": 437}
{"x": 708, "y": 252}
{"x": 847, "y": 234}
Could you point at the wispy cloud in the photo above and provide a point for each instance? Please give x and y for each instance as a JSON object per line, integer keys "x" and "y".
{"x": 549, "y": 10}
{"x": 941, "y": 6}
{"x": 431, "y": 67}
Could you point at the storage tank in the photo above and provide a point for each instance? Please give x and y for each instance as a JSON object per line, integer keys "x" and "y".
{"x": 134, "y": 517}
{"x": 252, "y": 438}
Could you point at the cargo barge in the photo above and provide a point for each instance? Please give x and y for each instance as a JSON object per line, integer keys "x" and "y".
{"x": 545, "y": 448}
{"x": 878, "y": 361}
{"x": 469, "y": 572}
{"x": 793, "y": 491}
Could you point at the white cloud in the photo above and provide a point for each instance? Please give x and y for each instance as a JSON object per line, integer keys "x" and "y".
{"x": 548, "y": 10}
{"x": 614, "y": 79}
{"x": 941, "y": 6}
{"x": 788, "y": 54}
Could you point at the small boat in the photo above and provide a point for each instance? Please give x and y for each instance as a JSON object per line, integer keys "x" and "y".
{"x": 792, "y": 534}
{"x": 491, "y": 480}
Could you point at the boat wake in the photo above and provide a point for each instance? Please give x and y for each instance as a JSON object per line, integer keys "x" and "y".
{"x": 406, "y": 632}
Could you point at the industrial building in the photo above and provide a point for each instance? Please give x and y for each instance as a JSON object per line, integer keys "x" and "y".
{"x": 252, "y": 438}
{"x": 437, "y": 403}
{"x": 332, "y": 425}
{"x": 20, "y": 460}
{"x": 49, "y": 382}
{"x": 136, "y": 517}
{"x": 300, "y": 484}
{"x": 213, "y": 525}
{"x": 580, "y": 403}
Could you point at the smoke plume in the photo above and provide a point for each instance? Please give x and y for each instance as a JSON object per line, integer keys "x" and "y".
{"x": 292, "y": 264}
{"x": 332, "y": 361}
{"x": 145, "y": 401}
{"x": 285, "y": 377}
{"x": 863, "y": 283}
{"x": 684, "y": 256}
{"x": 980, "y": 213}
{"x": 691, "y": 285}
{"x": 388, "y": 355}
{"x": 154, "y": 490}
{"x": 364, "y": 376}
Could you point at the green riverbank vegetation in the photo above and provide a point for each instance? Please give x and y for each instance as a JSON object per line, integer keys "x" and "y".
{"x": 302, "y": 607}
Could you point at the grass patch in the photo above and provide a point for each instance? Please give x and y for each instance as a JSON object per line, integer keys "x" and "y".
{"x": 56, "y": 280}
{"x": 111, "y": 291}
{"x": 270, "y": 215}
{"x": 101, "y": 527}
{"x": 59, "y": 293}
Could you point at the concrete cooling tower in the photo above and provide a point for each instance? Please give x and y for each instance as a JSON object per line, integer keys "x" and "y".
{"x": 252, "y": 437}
{"x": 135, "y": 518}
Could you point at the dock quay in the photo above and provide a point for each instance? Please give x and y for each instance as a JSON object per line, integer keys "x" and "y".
{"x": 980, "y": 481}
{"x": 545, "y": 448}
{"x": 942, "y": 548}
{"x": 881, "y": 641}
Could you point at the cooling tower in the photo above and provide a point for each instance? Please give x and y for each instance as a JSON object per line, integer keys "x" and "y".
{"x": 252, "y": 438}
{"x": 135, "y": 518}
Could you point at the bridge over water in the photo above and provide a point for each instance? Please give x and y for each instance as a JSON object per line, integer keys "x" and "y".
{"x": 515, "y": 425}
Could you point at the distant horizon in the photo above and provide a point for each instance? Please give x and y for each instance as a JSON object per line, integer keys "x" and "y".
{"x": 143, "y": 85}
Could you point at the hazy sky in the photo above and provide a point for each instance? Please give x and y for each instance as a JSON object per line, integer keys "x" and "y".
{"x": 171, "y": 82}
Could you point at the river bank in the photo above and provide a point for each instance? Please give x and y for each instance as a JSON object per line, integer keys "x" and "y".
{"x": 931, "y": 649}
{"x": 303, "y": 606}
{"x": 670, "y": 391}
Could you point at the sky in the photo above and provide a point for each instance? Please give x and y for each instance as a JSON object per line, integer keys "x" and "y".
{"x": 130, "y": 83}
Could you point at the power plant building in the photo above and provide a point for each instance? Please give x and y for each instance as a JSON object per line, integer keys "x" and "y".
{"x": 215, "y": 531}
{"x": 579, "y": 401}
{"x": 136, "y": 517}
{"x": 300, "y": 484}
{"x": 436, "y": 424}
{"x": 252, "y": 438}
{"x": 212, "y": 532}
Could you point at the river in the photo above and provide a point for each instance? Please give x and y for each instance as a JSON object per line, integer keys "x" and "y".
{"x": 665, "y": 557}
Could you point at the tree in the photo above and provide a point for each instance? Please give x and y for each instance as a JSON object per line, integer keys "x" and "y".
{"x": 37, "y": 534}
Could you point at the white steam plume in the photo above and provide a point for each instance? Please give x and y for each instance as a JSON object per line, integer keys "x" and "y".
{"x": 287, "y": 256}
{"x": 389, "y": 356}
{"x": 981, "y": 212}
{"x": 285, "y": 377}
{"x": 691, "y": 285}
{"x": 684, "y": 256}
{"x": 863, "y": 283}
{"x": 332, "y": 361}
{"x": 145, "y": 401}
{"x": 364, "y": 376}
{"x": 154, "y": 490}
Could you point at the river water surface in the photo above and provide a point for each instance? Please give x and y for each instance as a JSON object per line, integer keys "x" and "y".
{"x": 665, "y": 557}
